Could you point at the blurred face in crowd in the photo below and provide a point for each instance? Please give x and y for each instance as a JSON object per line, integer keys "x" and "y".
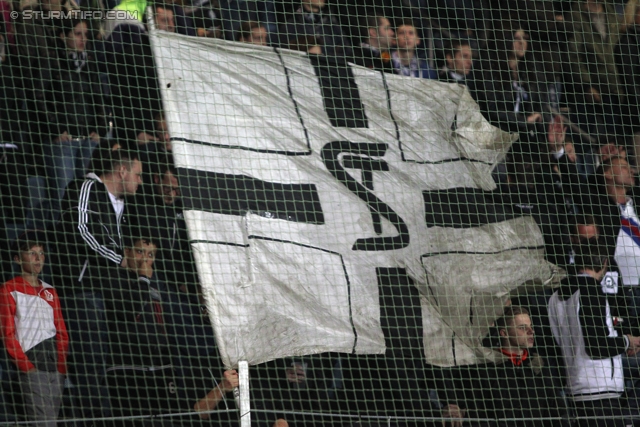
{"x": 462, "y": 62}
{"x": 520, "y": 43}
{"x": 585, "y": 233}
{"x": 162, "y": 133}
{"x": 407, "y": 37}
{"x": 383, "y": 37}
{"x": 51, "y": 4}
{"x": 131, "y": 178}
{"x": 620, "y": 173}
{"x": 519, "y": 333}
{"x": 168, "y": 187}
{"x": 31, "y": 261}
{"x": 313, "y": 6}
{"x": 258, "y": 36}
{"x": 142, "y": 252}
{"x": 76, "y": 39}
{"x": 164, "y": 20}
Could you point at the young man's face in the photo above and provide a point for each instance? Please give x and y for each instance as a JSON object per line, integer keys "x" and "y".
{"x": 168, "y": 187}
{"x": 142, "y": 252}
{"x": 258, "y": 37}
{"x": 407, "y": 37}
{"x": 313, "y": 6}
{"x": 76, "y": 39}
{"x": 519, "y": 332}
{"x": 164, "y": 20}
{"x": 622, "y": 173}
{"x": 462, "y": 62}
{"x": 132, "y": 178}
{"x": 31, "y": 261}
{"x": 385, "y": 34}
{"x": 585, "y": 233}
{"x": 520, "y": 43}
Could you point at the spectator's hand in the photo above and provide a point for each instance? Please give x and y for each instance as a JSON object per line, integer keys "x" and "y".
{"x": 534, "y": 117}
{"x": 229, "y": 381}
{"x": 594, "y": 94}
{"x": 145, "y": 138}
{"x": 64, "y": 137}
{"x": 296, "y": 374}
{"x": 570, "y": 152}
{"x": 95, "y": 137}
{"x": 556, "y": 133}
{"x": 634, "y": 345}
{"x": 610, "y": 150}
{"x": 452, "y": 411}
{"x": 215, "y": 33}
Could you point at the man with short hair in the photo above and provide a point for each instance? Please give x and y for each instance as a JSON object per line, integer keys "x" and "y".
{"x": 581, "y": 314}
{"x": 405, "y": 58}
{"x": 165, "y": 19}
{"x": 375, "y": 49}
{"x": 89, "y": 228}
{"x": 253, "y": 32}
{"x": 611, "y": 202}
{"x": 519, "y": 384}
{"x": 458, "y": 62}
{"x": 314, "y": 19}
{"x": 88, "y": 247}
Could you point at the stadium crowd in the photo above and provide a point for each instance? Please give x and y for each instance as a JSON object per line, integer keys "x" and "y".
{"x": 102, "y": 315}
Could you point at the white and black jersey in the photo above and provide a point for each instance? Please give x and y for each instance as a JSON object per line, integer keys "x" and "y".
{"x": 580, "y": 314}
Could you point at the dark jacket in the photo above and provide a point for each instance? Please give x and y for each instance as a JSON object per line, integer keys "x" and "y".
{"x": 87, "y": 242}
{"x": 133, "y": 80}
{"x": 323, "y": 26}
{"x": 547, "y": 208}
{"x": 504, "y": 390}
{"x": 138, "y": 334}
{"x": 628, "y": 62}
{"x": 372, "y": 58}
{"x": 36, "y": 43}
{"x": 140, "y": 374}
{"x": 74, "y": 101}
{"x": 497, "y": 97}
{"x": 174, "y": 261}
{"x": 591, "y": 56}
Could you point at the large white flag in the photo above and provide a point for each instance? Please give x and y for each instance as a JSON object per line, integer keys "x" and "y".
{"x": 305, "y": 181}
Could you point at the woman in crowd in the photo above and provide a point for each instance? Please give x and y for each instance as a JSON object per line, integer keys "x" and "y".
{"x": 75, "y": 111}
{"x": 513, "y": 91}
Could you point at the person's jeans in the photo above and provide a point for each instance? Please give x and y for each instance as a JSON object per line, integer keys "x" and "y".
{"x": 5, "y": 414}
{"x": 42, "y": 394}
{"x": 64, "y": 162}
{"x": 85, "y": 318}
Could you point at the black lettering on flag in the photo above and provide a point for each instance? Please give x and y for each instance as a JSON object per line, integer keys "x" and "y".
{"x": 238, "y": 194}
{"x": 463, "y": 208}
{"x": 400, "y": 312}
{"x": 340, "y": 93}
{"x": 330, "y": 154}
{"x": 367, "y": 166}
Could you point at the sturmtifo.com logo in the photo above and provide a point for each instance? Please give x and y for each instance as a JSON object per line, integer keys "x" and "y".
{"x": 75, "y": 14}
